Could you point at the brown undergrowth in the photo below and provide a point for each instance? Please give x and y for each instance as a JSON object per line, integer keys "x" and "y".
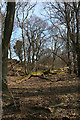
{"x": 40, "y": 99}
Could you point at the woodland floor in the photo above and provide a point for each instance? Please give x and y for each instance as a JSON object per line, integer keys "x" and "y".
{"x": 40, "y": 99}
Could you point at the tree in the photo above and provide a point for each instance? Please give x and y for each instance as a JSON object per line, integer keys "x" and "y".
{"x": 35, "y": 29}
{"x": 56, "y": 30}
{"x": 25, "y": 8}
{"x": 0, "y": 53}
{"x": 66, "y": 15}
{"x": 55, "y": 41}
{"x": 18, "y": 49}
{"x": 8, "y": 27}
{"x": 72, "y": 22}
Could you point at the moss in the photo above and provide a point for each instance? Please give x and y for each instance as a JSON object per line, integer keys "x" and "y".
{"x": 62, "y": 72}
{"x": 41, "y": 74}
{"x": 57, "y": 105}
{"x": 36, "y": 73}
{"x": 53, "y": 72}
{"x": 21, "y": 78}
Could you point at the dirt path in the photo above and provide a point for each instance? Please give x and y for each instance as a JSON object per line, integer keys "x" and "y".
{"x": 40, "y": 99}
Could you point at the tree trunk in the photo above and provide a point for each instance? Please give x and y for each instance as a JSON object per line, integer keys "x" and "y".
{"x": 68, "y": 51}
{"x": 9, "y": 20}
{"x": 33, "y": 50}
{"x": 78, "y": 60}
{"x": 29, "y": 58}
{"x": 78, "y": 64}
{"x": 25, "y": 64}
{"x": 0, "y": 53}
{"x": 74, "y": 62}
{"x": 77, "y": 39}
{"x": 54, "y": 51}
{"x": 67, "y": 16}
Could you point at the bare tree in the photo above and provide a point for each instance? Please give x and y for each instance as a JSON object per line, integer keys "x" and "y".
{"x": 9, "y": 20}
{"x": 73, "y": 29}
{"x": 65, "y": 16}
{"x": 25, "y": 8}
{"x": 35, "y": 32}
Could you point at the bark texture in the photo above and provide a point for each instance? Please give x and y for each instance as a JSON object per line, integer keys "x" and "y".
{"x": 9, "y": 20}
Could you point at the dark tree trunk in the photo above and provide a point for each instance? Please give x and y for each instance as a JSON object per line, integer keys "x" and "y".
{"x": 78, "y": 60}
{"x": 33, "y": 49}
{"x": 29, "y": 58}
{"x": 75, "y": 43}
{"x": 78, "y": 39}
{"x": 67, "y": 16}
{"x": 68, "y": 52}
{"x": 74, "y": 62}
{"x": 9, "y": 20}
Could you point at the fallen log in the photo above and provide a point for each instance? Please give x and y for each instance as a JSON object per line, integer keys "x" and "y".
{"x": 40, "y": 75}
{"x": 33, "y": 75}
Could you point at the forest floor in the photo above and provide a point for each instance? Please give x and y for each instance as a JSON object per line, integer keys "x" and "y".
{"x": 40, "y": 99}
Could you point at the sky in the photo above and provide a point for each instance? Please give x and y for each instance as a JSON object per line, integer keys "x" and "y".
{"x": 16, "y": 34}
